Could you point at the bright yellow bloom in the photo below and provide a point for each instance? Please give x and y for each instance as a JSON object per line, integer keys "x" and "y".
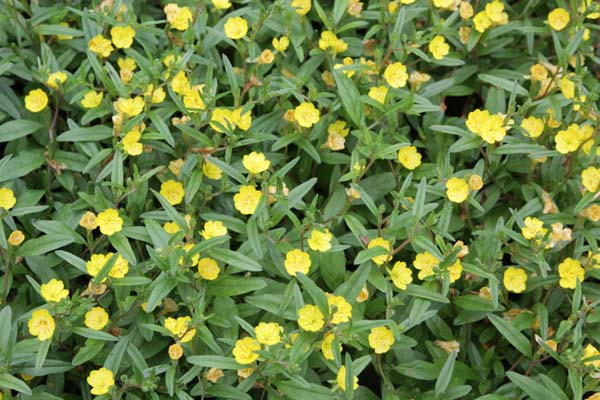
{"x": 409, "y": 157}
{"x": 213, "y": 229}
{"x": 310, "y": 318}
{"x": 515, "y": 279}
{"x": 281, "y": 44}
{"x": 192, "y": 100}
{"x": 131, "y": 143}
{"x": 16, "y": 238}
{"x": 590, "y": 178}
{"x": 482, "y": 22}
{"x": 339, "y": 128}
{"x": 395, "y": 75}
{"x": 401, "y": 275}
{"x": 53, "y": 291}
{"x": 306, "y": 114}
{"x": 381, "y": 242}
{"x": 130, "y": 107}
{"x": 455, "y": 270}
{"x": 56, "y": 78}
{"x": 475, "y": 182}
{"x": 591, "y": 351}
{"x": 41, "y": 324}
{"x": 243, "y": 121}
{"x": 558, "y": 19}
{"x": 172, "y": 191}
{"x": 194, "y": 261}
{"x": 327, "y": 346}
{"x": 236, "y": 28}
{"x": 211, "y": 171}
{"x": 320, "y": 241}
{"x": 567, "y": 87}
{"x": 297, "y": 261}
{"x": 266, "y": 57}
{"x": 100, "y": 45}
{"x": 101, "y": 380}
{"x": 533, "y": 229}
{"x": 180, "y": 328}
{"x": 247, "y": 199}
{"x": 495, "y": 12}
{"x": 7, "y": 198}
{"x": 302, "y": 7}
{"x": 341, "y": 379}
{"x": 465, "y": 10}
{"x": 329, "y": 40}
{"x": 570, "y": 270}
{"x": 171, "y": 227}
{"x": 178, "y": 17}
{"x": 569, "y": 140}
{"x": 109, "y": 222}
{"x": 438, "y": 47}
{"x": 339, "y": 309}
{"x": 96, "y": 318}
{"x": 255, "y": 162}
{"x": 92, "y": 99}
{"x": 381, "y": 339}
{"x": 378, "y": 93}
{"x": 538, "y": 72}
{"x": 457, "y": 189}
{"x": 180, "y": 83}
{"x": 88, "y": 221}
{"x": 122, "y": 36}
{"x": 157, "y": 95}
{"x": 445, "y": 4}
{"x": 221, "y": 4}
{"x": 489, "y": 127}
{"x": 36, "y": 100}
{"x": 175, "y": 351}
{"x": 425, "y": 262}
{"x": 533, "y": 126}
{"x": 245, "y": 349}
{"x": 208, "y": 269}
{"x": 268, "y": 334}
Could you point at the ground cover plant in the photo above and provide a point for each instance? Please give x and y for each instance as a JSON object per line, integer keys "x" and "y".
{"x": 299, "y": 199}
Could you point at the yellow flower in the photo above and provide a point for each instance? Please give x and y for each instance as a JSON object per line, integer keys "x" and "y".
{"x": 592, "y": 213}
{"x": 213, "y": 229}
{"x": 401, "y": 275}
{"x": 457, "y": 189}
{"x": 302, "y": 7}
{"x": 335, "y": 142}
{"x": 175, "y": 166}
{"x": 53, "y": 291}
{"x": 482, "y": 22}
{"x": 268, "y": 334}
{"x": 122, "y": 36}
{"x": 88, "y": 221}
{"x": 208, "y": 269}
{"x": 570, "y": 271}
{"x": 56, "y": 78}
{"x": 213, "y": 375}
{"x": 475, "y": 182}
{"x": 171, "y": 227}
{"x": 245, "y": 373}
{"x": 266, "y": 57}
{"x": 327, "y": 346}
{"x": 297, "y": 261}
{"x": 455, "y": 270}
{"x": 338, "y": 127}
{"x": 409, "y": 157}
{"x": 378, "y": 93}
{"x": 101, "y": 380}
{"x": 194, "y": 261}
{"x": 245, "y": 349}
{"x": 533, "y": 126}
{"x": 381, "y": 242}
{"x": 41, "y": 324}
{"x": 341, "y": 379}
{"x": 100, "y": 45}
{"x": 247, "y": 199}
{"x": 515, "y": 279}
{"x": 329, "y": 40}
{"x": 243, "y": 121}
{"x": 120, "y": 268}
{"x": 16, "y": 238}
{"x": 445, "y": 4}
{"x": 381, "y": 339}
{"x": 567, "y": 87}
{"x": 281, "y": 44}
{"x": 172, "y": 191}
{"x": 591, "y": 351}
{"x": 180, "y": 328}
{"x": 92, "y": 99}
{"x": 236, "y": 28}
{"x": 538, "y": 72}
{"x": 255, "y": 162}
{"x": 339, "y": 309}
{"x": 223, "y": 117}
{"x": 175, "y": 351}
{"x": 130, "y": 107}
{"x": 180, "y": 83}
{"x": 558, "y": 19}
{"x": 178, "y": 17}
{"x": 438, "y": 47}
{"x": 310, "y": 318}
{"x": 221, "y": 4}
{"x": 36, "y": 100}
{"x": 96, "y": 318}
{"x": 7, "y": 198}
{"x": 533, "y": 229}
{"x": 590, "y": 178}
{"x": 306, "y": 114}
{"x": 465, "y": 10}
{"x": 109, "y": 222}
{"x": 495, "y": 12}
{"x": 131, "y": 143}
{"x": 425, "y": 262}
{"x": 192, "y": 100}
{"x": 489, "y": 127}
{"x": 320, "y": 241}
{"x": 157, "y": 95}
{"x": 395, "y": 75}
{"x": 211, "y": 171}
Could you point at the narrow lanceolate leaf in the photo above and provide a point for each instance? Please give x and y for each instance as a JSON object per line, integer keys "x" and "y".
{"x": 511, "y": 334}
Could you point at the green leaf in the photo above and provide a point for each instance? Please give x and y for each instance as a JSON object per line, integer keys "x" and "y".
{"x": 41, "y": 354}
{"x": 215, "y": 362}
{"x": 91, "y": 134}
{"x": 121, "y": 244}
{"x": 424, "y": 293}
{"x": 510, "y": 333}
{"x": 16, "y": 129}
{"x": 418, "y": 369}
{"x": 5, "y": 327}
{"x": 227, "y": 392}
{"x": 503, "y": 84}
{"x": 114, "y": 358}
{"x": 228, "y": 170}
{"x": 535, "y": 390}
{"x": 443, "y": 380}
{"x": 10, "y": 382}
{"x": 315, "y": 293}
{"x": 173, "y": 214}
{"x": 161, "y": 288}
{"x": 43, "y": 245}
{"x": 89, "y": 351}
{"x": 162, "y": 127}
{"x": 350, "y": 97}
{"x": 94, "y": 334}
{"x": 236, "y": 259}
{"x": 254, "y": 238}
{"x": 229, "y": 285}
